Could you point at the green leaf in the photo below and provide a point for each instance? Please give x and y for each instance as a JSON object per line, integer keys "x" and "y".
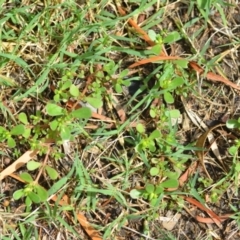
{"x": 83, "y": 112}
{"x": 28, "y": 201}
{"x": 135, "y": 194}
{"x": 74, "y": 91}
{"x": 156, "y": 49}
{"x": 152, "y": 35}
{"x": 18, "y": 130}
{"x": 233, "y": 150}
{"x": 52, "y": 173}
{"x": 176, "y": 82}
{"x": 54, "y": 124}
{"x": 124, "y": 73}
{"x": 174, "y": 113}
{"x": 232, "y": 123}
{"x": 152, "y": 113}
{"x": 95, "y": 102}
{"x": 41, "y": 192}
{"x": 26, "y": 177}
{"x": 23, "y": 118}
{"x": 54, "y": 110}
{"x": 27, "y": 133}
{"x": 3, "y": 130}
{"x": 182, "y": 63}
{"x": 66, "y": 85}
{"x": 34, "y": 197}
{"x": 170, "y": 183}
{"x": 149, "y": 188}
{"x": 32, "y": 165}
{"x": 168, "y": 97}
{"x": 118, "y": 88}
{"x": 154, "y": 171}
{"x": 172, "y": 37}
{"x": 155, "y": 134}
{"x": 11, "y": 142}
{"x": 159, "y": 189}
{"x": 18, "y": 194}
{"x": 65, "y": 133}
{"x": 152, "y": 146}
{"x": 140, "y": 128}
{"x": 171, "y": 175}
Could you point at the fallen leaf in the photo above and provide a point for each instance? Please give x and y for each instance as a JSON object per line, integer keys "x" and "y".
{"x": 154, "y": 59}
{"x": 213, "y": 215}
{"x": 212, "y": 76}
{"x": 92, "y": 232}
{"x": 26, "y": 157}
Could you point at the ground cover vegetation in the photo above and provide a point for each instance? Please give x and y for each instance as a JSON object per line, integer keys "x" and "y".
{"x": 119, "y": 119}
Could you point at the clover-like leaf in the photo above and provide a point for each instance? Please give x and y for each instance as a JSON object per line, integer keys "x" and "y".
{"x": 170, "y": 183}
{"x": 41, "y": 192}
{"x": 135, "y": 194}
{"x": 26, "y": 177}
{"x": 74, "y": 91}
{"x": 140, "y": 128}
{"x": 172, "y": 37}
{"x": 155, "y": 134}
{"x": 168, "y": 97}
{"x": 18, "y": 194}
{"x": 149, "y": 188}
{"x": 33, "y": 165}
{"x": 154, "y": 171}
{"x": 23, "y": 118}
{"x": 65, "y": 133}
{"x": 18, "y": 130}
{"x": 28, "y": 201}
{"x": 232, "y": 123}
{"x": 11, "y": 142}
{"x": 95, "y": 102}
{"x": 54, "y": 110}
{"x": 54, "y": 124}
{"x": 34, "y": 197}
{"x": 174, "y": 113}
{"x": 82, "y": 113}
{"x": 52, "y": 173}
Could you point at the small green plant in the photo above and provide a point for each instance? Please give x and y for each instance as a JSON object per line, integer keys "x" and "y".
{"x": 32, "y": 192}
{"x": 152, "y": 192}
{"x": 51, "y": 172}
{"x": 8, "y": 136}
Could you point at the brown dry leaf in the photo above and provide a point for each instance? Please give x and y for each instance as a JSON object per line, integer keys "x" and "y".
{"x": 154, "y": 59}
{"x": 213, "y": 215}
{"x": 212, "y": 76}
{"x": 201, "y": 143}
{"x": 170, "y": 222}
{"x": 26, "y": 157}
{"x": 135, "y": 25}
{"x": 210, "y": 220}
{"x": 187, "y": 173}
{"x": 92, "y": 233}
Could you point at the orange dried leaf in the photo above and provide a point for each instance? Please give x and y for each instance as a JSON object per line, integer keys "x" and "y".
{"x": 154, "y": 59}
{"x": 212, "y": 76}
{"x": 92, "y": 233}
{"x": 210, "y": 220}
{"x": 214, "y": 216}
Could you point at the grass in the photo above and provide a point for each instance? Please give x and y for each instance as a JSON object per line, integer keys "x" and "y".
{"x": 104, "y": 108}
